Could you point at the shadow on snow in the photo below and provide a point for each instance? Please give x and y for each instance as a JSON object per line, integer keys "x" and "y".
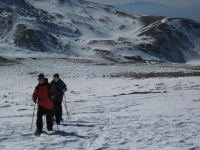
{"x": 63, "y": 133}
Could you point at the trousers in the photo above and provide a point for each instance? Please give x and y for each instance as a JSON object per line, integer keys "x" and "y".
{"x": 58, "y": 110}
{"x": 40, "y": 112}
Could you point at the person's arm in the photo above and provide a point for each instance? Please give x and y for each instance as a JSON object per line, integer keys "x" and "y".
{"x": 64, "y": 87}
{"x": 52, "y": 92}
{"x": 35, "y": 95}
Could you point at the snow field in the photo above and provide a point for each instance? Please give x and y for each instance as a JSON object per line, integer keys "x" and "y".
{"x": 106, "y": 113}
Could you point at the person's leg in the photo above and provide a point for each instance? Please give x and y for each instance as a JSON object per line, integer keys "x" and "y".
{"x": 58, "y": 112}
{"x": 55, "y": 108}
{"x": 53, "y": 111}
{"x": 39, "y": 122}
{"x": 61, "y": 112}
{"x": 49, "y": 120}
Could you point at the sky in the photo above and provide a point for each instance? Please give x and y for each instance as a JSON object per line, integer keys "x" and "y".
{"x": 177, "y": 3}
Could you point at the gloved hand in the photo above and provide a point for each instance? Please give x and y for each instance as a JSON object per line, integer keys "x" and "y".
{"x": 51, "y": 96}
{"x": 64, "y": 90}
{"x": 34, "y": 99}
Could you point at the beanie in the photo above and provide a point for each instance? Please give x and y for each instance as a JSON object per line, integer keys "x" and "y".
{"x": 41, "y": 75}
{"x": 56, "y": 75}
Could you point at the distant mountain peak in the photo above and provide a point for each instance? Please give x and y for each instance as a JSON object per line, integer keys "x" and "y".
{"x": 142, "y": 3}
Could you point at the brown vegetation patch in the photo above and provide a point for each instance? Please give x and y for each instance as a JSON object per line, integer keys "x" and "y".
{"x": 198, "y": 100}
{"x": 76, "y": 60}
{"x": 9, "y": 63}
{"x": 33, "y": 73}
{"x": 122, "y": 94}
{"x": 79, "y": 101}
{"x": 5, "y": 106}
{"x": 145, "y": 92}
{"x": 21, "y": 109}
{"x": 154, "y": 74}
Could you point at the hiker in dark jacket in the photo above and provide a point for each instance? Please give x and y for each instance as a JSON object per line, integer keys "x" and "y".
{"x": 43, "y": 95}
{"x": 60, "y": 88}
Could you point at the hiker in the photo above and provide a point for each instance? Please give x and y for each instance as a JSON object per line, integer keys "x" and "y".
{"x": 43, "y": 95}
{"x": 60, "y": 88}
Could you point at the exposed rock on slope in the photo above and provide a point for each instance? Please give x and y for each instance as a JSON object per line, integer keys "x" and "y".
{"x": 83, "y": 29}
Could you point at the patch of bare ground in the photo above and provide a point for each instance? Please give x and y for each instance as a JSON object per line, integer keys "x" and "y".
{"x": 198, "y": 100}
{"x": 182, "y": 66}
{"x": 35, "y": 73}
{"x": 74, "y": 60}
{"x": 21, "y": 109}
{"x": 105, "y": 64}
{"x": 195, "y": 68}
{"x": 153, "y": 74}
{"x": 145, "y": 92}
{"x": 140, "y": 61}
{"x": 5, "y": 106}
{"x": 122, "y": 94}
{"x": 79, "y": 101}
{"x": 9, "y": 63}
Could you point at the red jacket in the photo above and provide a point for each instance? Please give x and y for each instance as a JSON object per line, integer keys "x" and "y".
{"x": 43, "y": 92}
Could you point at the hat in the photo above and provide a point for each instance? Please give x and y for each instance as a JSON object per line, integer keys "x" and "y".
{"x": 41, "y": 76}
{"x": 56, "y": 75}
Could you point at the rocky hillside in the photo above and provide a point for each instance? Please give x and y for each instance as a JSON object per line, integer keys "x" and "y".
{"x": 31, "y": 28}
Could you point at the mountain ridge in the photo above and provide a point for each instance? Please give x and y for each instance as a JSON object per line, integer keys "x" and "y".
{"x": 153, "y": 8}
{"x": 88, "y": 30}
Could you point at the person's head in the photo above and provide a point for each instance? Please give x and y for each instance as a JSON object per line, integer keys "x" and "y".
{"x": 56, "y": 77}
{"x": 41, "y": 78}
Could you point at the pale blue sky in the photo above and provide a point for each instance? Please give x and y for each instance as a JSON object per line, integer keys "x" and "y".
{"x": 177, "y": 3}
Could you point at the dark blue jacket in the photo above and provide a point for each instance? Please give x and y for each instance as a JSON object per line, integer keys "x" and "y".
{"x": 60, "y": 88}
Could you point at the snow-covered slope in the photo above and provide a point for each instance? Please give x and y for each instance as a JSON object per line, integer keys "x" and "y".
{"x": 107, "y": 113}
{"x": 66, "y": 28}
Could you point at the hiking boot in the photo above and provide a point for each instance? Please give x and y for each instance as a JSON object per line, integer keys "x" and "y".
{"x": 50, "y": 129}
{"x": 38, "y": 132}
{"x": 53, "y": 119}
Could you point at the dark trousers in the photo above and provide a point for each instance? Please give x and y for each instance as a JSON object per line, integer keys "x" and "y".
{"x": 58, "y": 111}
{"x": 40, "y": 112}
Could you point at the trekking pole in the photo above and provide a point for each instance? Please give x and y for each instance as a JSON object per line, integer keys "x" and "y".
{"x": 68, "y": 116}
{"x": 65, "y": 104}
{"x": 44, "y": 120}
{"x": 33, "y": 116}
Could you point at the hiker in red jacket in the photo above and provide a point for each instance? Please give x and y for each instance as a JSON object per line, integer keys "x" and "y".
{"x": 43, "y": 95}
